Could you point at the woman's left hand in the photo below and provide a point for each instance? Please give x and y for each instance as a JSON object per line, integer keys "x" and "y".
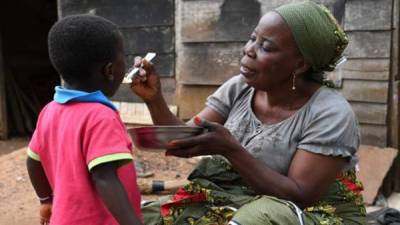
{"x": 216, "y": 141}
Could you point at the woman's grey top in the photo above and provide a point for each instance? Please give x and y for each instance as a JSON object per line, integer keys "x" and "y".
{"x": 325, "y": 125}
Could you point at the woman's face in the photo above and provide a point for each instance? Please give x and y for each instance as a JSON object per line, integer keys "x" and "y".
{"x": 270, "y": 56}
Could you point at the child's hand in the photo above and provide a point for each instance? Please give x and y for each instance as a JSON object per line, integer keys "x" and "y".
{"x": 45, "y": 213}
{"x": 147, "y": 84}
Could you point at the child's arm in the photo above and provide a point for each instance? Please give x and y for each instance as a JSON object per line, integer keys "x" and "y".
{"x": 113, "y": 193}
{"x": 42, "y": 188}
{"x": 39, "y": 181}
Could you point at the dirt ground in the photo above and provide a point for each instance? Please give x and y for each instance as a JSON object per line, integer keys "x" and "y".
{"x": 18, "y": 204}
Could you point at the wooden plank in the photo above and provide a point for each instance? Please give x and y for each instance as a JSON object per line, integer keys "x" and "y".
{"x": 366, "y": 69}
{"x": 124, "y": 13}
{"x": 365, "y": 91}
{"x": 394, "y": 140}
{"x": 148, "y": 39}
{"x": 370, "y": 113}
{"x": 3, "y": 105}
{"x": 269, "y": 5}
{"x": 168, "y": 86}
{"x": 191, "y": 99}
{"x": 361, "y": 69}
{"x": 375, "y": 135}
{"x": 373, "y": 65}
{"x": 368, "y": 15}
{"x": 394, "y": 125}
{"x": 208, "y": 63}
{"x": 218, "y": 21}
{"x": 125, "y": 94}
{"x": 164, "y": 63}
{"x": 368, "y": 44}
{"x": 336, "y": 7}
{"x": 137, "y": 113}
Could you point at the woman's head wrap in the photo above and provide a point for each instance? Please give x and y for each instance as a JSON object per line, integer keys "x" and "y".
{"x": 317, "y": 34}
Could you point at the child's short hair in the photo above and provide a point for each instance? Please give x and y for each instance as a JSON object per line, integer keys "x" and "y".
{"x": 80, "y": 42}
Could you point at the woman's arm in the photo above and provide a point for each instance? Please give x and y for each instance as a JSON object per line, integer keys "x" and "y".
{"x": 107, "y": 183}
{"x": 308, "y": 177}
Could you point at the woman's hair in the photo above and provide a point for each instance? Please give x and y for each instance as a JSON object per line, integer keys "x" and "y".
{"x": 317, "y": 34}
{"x": 78, "y": 43}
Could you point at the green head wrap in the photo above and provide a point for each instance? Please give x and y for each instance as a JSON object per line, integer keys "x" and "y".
{"x": 317, "y": 34}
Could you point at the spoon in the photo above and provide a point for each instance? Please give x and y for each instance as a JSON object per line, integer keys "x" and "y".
{"x": 131, "y": 75}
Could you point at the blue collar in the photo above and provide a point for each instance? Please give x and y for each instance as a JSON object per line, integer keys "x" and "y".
{"x": 63, "y": 96}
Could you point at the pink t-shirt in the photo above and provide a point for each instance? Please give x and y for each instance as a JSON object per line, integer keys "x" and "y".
{"x": 69, "y": 140}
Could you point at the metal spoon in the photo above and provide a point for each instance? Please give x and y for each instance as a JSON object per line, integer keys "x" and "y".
{"x": 131, "y": 75}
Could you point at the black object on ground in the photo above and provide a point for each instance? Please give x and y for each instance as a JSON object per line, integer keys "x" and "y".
{"x": 385, "y": 216}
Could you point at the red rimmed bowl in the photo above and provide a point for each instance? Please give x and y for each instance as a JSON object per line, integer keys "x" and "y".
{"x": 157, "y": 137}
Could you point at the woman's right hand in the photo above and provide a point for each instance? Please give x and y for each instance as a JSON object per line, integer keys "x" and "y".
{"x": 147, "y": 83}
{"x": 216, "y": 141}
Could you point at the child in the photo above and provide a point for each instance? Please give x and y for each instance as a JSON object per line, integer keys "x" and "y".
{"x": 80, "y": 154}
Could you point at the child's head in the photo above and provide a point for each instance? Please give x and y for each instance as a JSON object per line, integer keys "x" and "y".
{"x": 87, "y": 51}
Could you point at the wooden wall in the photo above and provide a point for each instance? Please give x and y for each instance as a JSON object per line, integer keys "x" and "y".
{"x": 146, "y": 26}
{"x": 366, "y": 75}
{"x": 204, "y": 38}
{"x": 211, "y": 33}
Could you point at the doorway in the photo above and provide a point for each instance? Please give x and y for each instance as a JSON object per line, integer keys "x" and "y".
{"x": 27, "y": 74}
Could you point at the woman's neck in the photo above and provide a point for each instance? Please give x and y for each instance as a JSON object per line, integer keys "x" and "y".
{"x": 286, "y": 97}
{"x": 276, "y": 105}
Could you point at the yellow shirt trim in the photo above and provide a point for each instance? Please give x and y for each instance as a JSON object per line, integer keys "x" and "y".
{"x": 110, "y": 158}
{"x": 32, "y": 155}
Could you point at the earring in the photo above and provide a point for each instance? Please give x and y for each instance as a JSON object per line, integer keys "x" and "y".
{"x": 294, "y": 82}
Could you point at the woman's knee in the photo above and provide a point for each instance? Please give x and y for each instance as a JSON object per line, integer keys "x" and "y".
{"x": 151, "y": 213}
{"x": 264, "y": 211}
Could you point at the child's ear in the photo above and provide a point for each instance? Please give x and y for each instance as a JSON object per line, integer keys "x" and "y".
{"x": 108, "y": 71}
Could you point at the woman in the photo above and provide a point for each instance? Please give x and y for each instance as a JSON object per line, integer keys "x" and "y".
{"x": 283, "y": 144}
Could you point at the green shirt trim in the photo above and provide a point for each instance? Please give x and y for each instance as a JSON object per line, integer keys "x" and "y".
{"x": 110, "y": 158}
{"x": 32, "y": 155}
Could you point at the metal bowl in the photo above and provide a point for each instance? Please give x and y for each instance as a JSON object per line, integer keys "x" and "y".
{"x": 157, "y": 137}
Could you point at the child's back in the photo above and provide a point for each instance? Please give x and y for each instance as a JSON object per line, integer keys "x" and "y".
{"x": 80, "y": 150}
{"x": 71, "y": 139}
